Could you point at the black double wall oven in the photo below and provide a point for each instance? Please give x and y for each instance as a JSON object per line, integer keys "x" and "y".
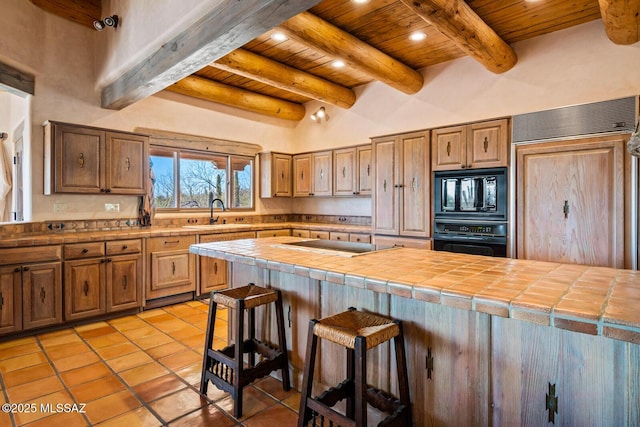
{"x": 470, "y": 211}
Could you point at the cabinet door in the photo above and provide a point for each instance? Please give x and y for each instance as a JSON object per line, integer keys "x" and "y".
{"x": 322, "y": 175}
{"x": 171, "y": 273}
{"x": 449, "y": 148}
{"x": 302, "y": 175}
{"x": 126, "y": 164}
{"x": 124, "y": 282}
{"x": 213, "y": 274}
{"x": 281, "y": 178}
{"x": 42, "y": 292}
{"x": 447, "y": 361}
{"x": 385, "y": 204}
{"x": 487, "y": 144}
{"x": 10, "y": 299}
{"x": 84, "y": 288}
{"x": 570, "y": 201}
{"x": 344, "y": 179}
{"x": 78, "y": 165}
{"x": 589, "y": 374}
{"x": 414, "y": 187}
{"x": 365, "y": 172}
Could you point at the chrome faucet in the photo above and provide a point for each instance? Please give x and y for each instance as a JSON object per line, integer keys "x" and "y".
{"x": 213, "y": 220}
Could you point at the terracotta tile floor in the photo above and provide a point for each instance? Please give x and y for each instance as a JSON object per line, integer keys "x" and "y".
{"x": 141, "y": 370}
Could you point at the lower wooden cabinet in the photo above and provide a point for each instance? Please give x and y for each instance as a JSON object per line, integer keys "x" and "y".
{"x": 110, "y": 282}
{"x": 171, "y": 268}
{"x": 213, "y": 271}
{"x": 30, "y": 288}
{"x": 273, "y": 233}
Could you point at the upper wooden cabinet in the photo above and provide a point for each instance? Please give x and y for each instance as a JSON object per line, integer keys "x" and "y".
{"x": 352, "y": 171}
{"x": 80, "y": 159}
{"x": 477, "y": 145}
{"x": 313, "y": 174}
{"x": 401, "y": 201}
{"x": 275, "y": 175}
{"x": 571, "y": 201}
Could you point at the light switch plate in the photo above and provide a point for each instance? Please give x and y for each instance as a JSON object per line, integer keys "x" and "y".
{"x": 112, "y": 207}
{"x": 59, "y": 207}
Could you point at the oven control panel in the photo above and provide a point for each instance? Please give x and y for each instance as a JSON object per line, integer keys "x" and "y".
{"x": 471, "y": 228}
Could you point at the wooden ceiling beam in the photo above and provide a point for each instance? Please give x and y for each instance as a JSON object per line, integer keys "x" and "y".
{"x": 621, "y": 20}
{"x": 320, "y": 35}
{"x": 209, "y": 90}
{"x": 273, "y": 73}
{"x": 83, "y": 12}
{"x": 456, "y": 20}
{"x": 227, "y": 26}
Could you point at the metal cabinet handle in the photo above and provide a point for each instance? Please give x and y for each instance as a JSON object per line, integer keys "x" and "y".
{"x": 171, "y": 242}
{"x": 565, "y": 209}
{"x": 43, "y": 295}
{"x": 486, "y": 144}
{"x": 85, "y": 288}
{"x": 215, "y": 267}
{"x": 125, "y": 247}
{"x": 448, "y": 148}
{"x": 85, "y": 250}
{"x": 289, "y": 315}
{"x": 368, "y": 170}
{"x": 1, "y": 301}
{"x": 128, "y": 163}
{"x": 26, "y": 269}
{"x": 173, "y": 265}
{"x": 81, "y": 160}
{"x": 414, "y": 184}
{"x": 384, "y": 185}
{"x": 17, "y": 270}
{"x": 344, "y": 171}
{"x": 302, "y": 175}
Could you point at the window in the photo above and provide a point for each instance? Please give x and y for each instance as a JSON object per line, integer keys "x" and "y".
{"x": 185, "y": 179}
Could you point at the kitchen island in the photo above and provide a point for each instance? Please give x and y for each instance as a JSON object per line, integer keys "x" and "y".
{"x": 490, "y": 341}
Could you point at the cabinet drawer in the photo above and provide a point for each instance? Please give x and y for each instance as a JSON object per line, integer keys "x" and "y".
{"x": 335, "y": 235}
{"x": 323, "y": 235}
{"x": 84, "y": 250}
{"x": 123, "y": 247}
{"x": 273, "y": 233}
{"x": 300, "y": 233}
{"x": 30, "y": 254}
{"x": 389, "y": 241}
{"x": 169, "y": 243}
{"x": 359, "y": 237}
{"x": 206, "y": 238}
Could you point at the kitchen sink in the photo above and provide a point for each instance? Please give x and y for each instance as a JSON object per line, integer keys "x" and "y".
{"x": 333, "y": 247}
{"x": 217, "y": 226}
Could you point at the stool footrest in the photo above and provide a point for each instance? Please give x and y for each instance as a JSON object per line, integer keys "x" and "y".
{"x": 335, "y": 394}
{"x": 222, "y": 368}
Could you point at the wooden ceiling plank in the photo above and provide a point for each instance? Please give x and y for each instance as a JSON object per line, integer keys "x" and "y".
{"x": 465, "y": 28}
{"x": 210, "y": 90}
{"x": 226, "y": 27}
{"x": 15, "y": 81}
{"x": 262, "y": 69}
{"x": 621, "y": 20}
{"x": 332, "y": 41}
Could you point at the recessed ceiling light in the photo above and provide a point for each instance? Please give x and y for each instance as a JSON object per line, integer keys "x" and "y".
{"x": 417, "y": 36}
{"x": 279, "y": 37}
{"x": 338, "y": 64}
{"x": 360, "y": 1}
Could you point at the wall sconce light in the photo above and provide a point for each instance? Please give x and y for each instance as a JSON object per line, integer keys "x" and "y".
{"x": 109, "y": 21}
{"x": 320, "y": 116}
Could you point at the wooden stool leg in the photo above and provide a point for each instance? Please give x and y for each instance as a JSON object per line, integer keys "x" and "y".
{"x": 361, "y": 382}
{"x": 304, "y": 414}
{"x": 282, "y": 343}
{"x": 351, "y": 361}
{"x": 403, "y": 380}
{"x": 208, "y": 344}
{"x": 252, "y": 335}
{"x": 239, "y": 359}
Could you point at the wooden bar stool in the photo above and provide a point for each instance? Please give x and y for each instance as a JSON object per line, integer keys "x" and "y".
{"x": 225, "y": 367}
{"x": 358, "y": 332}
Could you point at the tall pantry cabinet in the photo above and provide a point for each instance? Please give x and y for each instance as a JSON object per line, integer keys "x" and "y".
{"x": 571, "y": 199}
{"x": 402, "y": 185}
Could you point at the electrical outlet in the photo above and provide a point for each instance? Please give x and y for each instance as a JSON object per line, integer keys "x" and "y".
{"x": 59, "y": 207}
{"x": 112, "y": 207}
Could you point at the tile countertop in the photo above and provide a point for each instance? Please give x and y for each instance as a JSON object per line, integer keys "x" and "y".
{"x": 57, "y": 238}
{"x": 592, "y": 300}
